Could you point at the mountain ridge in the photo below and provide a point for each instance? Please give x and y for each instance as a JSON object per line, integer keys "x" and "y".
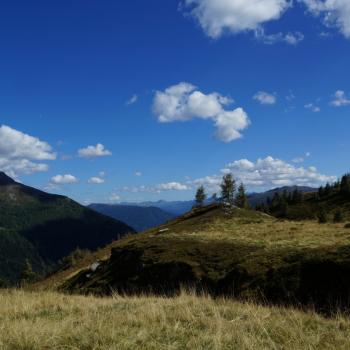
{"x": 46, "y": 227}
{"x": 139, "y": 217}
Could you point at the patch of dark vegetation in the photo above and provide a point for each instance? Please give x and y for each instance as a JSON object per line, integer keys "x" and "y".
{"x": 331, "y": 202}
{"x": 163, "y": 266}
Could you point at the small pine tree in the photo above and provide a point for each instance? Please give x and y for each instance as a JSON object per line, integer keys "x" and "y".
{"x": 322, "y": 216}
{"x": 228, "y": 189}
{"x": 321, "y": 192}
{"x": 338, "y": 216}
{"x": 327, "y": 190}
{"x": 27, "y": 274}
{"x": 201, "y": 196}
{"x": 241, "y": 198}
{"x": 345, "y": 185}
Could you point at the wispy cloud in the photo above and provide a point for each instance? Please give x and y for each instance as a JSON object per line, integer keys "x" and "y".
{"x": 94, "y": 151}
{"x": 265, "y": 98}
{"x": 133, "y": 99}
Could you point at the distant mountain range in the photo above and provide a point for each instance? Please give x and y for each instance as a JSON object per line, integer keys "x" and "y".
{"x": 175, "y": 208}
{"x": 141, "y": 218}
{"x": 43, "y": 228}
{"x": 260, "y": 198}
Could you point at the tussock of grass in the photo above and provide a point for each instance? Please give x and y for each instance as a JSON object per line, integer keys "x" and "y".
{"x": 56, "y": 321}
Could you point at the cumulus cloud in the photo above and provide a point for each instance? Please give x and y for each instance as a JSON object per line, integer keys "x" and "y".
{"x": 95, "y": 180}
{"x": 20, "y": 152}
{"x": 170, "y": 186}
{"x": 94, "y": 151}
{"x": 340, "y": 99}
{"x": 267, "y": 173}
{"x": 133, "y": 99}
{"x": 265, "y": 98}
{"x": 183, "y": 102}
{"x": 333, "y": 12}
{"x": 234, "y": 16}
{"x": 63, "y": 179}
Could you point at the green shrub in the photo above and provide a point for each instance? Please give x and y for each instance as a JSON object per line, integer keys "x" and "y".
{"x": 338, "y": 216}
{"x": 322, "y": 217}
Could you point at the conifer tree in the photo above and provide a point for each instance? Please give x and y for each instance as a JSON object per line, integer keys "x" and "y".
{"x": 241, "y": 198}
{"x": 345, "y": 185}
{"x": 201, "y": 196}
{"x": 327, "y": 190}
{"x": 228, "y": 189}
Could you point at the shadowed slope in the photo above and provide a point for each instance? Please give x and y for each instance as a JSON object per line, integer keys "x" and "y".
{"x": 50, "y": 226}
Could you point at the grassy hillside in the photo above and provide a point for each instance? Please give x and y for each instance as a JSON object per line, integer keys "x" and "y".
{"x": 140, "y": 218}
{"x": 246, "y": 255}
{"x": 55, "y": 321}
{"x": 43, "y": 228}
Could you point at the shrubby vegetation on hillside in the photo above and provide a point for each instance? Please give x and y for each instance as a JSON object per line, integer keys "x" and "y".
{"x": 330, "y": 203}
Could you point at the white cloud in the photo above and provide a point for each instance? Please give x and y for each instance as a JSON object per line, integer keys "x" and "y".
{"x": 114, "y": 197}
{"x": 20, "y": 152}
{"x": 288, "y": 38}
{"x": 63, "y": 179}
{"x": 334, "y": 13}
{"x": 170, "y": 186}
{"x": 95, "y": 180}
{"x": 234, "y": 16}
{"x": 94, "y": 151}
{"x": 184, "y": 102}
{"x": 312, "y": 107}
{"x": 132, "y": 100}
{"x": 267, "y": 173}
{"x": 265, "y": 98}
{"x": 340, "y": 99}
{"x": 138, "y": 174}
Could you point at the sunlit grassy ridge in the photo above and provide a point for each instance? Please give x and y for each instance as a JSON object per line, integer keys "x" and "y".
{"x": 242, "y": 254}
{"x": 47, "y": 320}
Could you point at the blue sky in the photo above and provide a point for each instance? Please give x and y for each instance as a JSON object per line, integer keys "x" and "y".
{"x": 162, "y": 96}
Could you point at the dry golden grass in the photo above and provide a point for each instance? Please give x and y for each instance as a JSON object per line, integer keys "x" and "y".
{"x": 275, "y": 233}
{"x": 44, "y": 320}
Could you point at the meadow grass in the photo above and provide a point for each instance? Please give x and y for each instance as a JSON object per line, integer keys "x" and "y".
{"x": 47, "y": 320}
